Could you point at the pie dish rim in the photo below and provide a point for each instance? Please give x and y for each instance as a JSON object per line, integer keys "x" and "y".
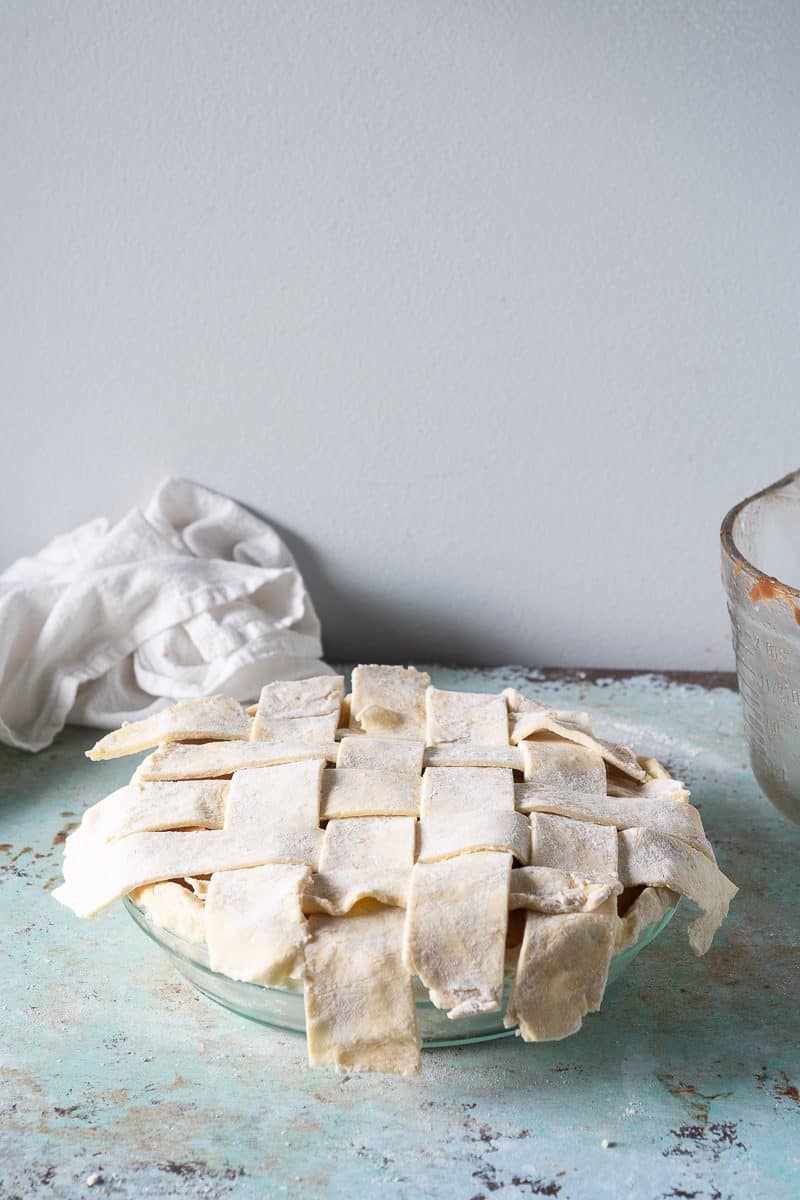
{"x": 187, "y": 958}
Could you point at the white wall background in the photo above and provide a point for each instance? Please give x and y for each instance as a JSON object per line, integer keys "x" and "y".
{"x": 491, "y": 306}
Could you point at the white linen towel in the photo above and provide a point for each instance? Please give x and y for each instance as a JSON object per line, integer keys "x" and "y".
{"x": 110, "y": 623}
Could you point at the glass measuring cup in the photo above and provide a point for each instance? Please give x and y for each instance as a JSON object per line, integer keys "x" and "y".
{"x": 760, "y": 535}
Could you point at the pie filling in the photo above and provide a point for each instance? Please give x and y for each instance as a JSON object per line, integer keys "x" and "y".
{"x": 355, "y": 842}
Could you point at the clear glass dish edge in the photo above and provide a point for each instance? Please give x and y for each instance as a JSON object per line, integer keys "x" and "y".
{"x": 283, "y": 1008}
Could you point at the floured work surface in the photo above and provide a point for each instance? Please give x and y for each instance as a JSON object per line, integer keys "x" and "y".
{"x": 357, "y": 841}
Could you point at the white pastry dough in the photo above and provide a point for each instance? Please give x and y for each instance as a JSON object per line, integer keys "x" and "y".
{"x": 619, "y": 756}
{"x": 518, "y": 702}
{"x": 660, "y": 860}
{"x": 465, "y": 718}
{"x": 306, "y": 710}
{"x": 207, "y": 719}
{"x": 456, "y": 930}
{"x": 550, "y": 890}
{"x": 315, "y": 730}
{"x": 370, "y": 844}
{"x": 654, "y": 768}
{"x": 198, "y": 884}
{"x": 561, "y": 972}
{"x": 255, "y": 927}
{"x": 579, "y": 846}
{"x": 506, "y": 757}
{"x": 458, "y": 904}
{"x": 367, "y": 858}
{"x": 92, "y": 881}
{"x": 270, "y": 816}
{"x": 212, "y": 760}
{"x": 659, "y": 788}
{"x": 563, "y": 963}
{"x": 351, "y": 792}
{"x": 563, "y": 765}
{"x": 446, "y": 836}
{"x": 148, "y": 807}
{"x": 360, "y": 1013}
{"x": 664, "y": 816}
{"x": 528, "y": 718}
{"x": 315, "y": 697}
{"x": 389, "y": 702}
{"x": 384, "y": 753}
{"x": 285, "y": 797}
{"x": 173, "y": 907}
{"x": 450, "y": 792}
{"x": 338, "y": 892}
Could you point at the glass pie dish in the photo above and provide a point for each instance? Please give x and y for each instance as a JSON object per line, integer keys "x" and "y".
{"x": 283, "y": 1008}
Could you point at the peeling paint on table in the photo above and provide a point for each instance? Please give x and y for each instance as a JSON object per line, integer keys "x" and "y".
{"x": 111, "y": 1066}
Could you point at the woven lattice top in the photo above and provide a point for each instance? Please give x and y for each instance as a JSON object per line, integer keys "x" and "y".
{"x": 356, "y": 841}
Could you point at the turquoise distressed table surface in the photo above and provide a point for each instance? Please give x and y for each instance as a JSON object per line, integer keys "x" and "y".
{"x": 111, "y": 1065}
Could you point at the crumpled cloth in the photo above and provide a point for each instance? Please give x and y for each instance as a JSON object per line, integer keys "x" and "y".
{"x": 112, "y": 622}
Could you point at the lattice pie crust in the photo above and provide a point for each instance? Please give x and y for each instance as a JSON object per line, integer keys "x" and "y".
{"x": 356, "y": 841}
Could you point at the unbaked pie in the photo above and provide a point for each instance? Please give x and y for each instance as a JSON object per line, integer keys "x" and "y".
{"x": 354, "y": 842}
